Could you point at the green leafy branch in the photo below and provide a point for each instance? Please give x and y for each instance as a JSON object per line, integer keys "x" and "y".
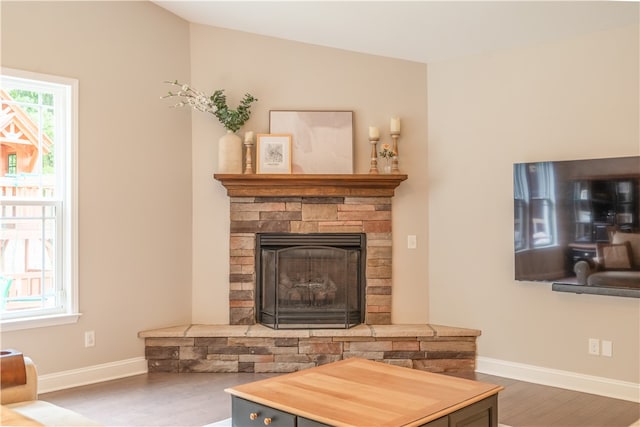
{"x": 232, "y": 119}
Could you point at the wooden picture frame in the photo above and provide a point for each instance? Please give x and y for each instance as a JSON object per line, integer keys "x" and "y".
{"x": 322, "y": 140}
{"x": 273, "y": 153}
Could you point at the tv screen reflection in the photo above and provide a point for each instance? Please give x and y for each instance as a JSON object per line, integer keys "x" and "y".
{"x": 566, "y": 212}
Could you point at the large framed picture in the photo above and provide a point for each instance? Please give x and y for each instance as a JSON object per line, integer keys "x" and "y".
{"x": 273, "y": 153}
{"x": 322, "y": 141}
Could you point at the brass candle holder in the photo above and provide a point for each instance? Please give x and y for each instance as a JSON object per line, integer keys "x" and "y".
{"x": 248, "y": 162}
{"x": 373, "y": 169}
{"x": 394, "y": 162}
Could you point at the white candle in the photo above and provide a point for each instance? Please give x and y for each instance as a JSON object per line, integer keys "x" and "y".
{"x": 248, "y": 136}
{"x": 374, "y": 133}
{"x": 395, "y": 124}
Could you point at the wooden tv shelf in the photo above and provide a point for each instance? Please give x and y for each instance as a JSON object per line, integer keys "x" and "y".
{"x": 310, "y": 185}
{"x": 360, "y": 392}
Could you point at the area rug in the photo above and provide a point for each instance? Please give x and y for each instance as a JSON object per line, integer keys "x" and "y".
{"x": 221, "y": 423}
{"x": 227, "y": 423}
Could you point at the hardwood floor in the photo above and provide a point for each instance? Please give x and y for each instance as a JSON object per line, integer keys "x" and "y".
{"x": 523, "y": 404}
{"x": 160, "y": 399}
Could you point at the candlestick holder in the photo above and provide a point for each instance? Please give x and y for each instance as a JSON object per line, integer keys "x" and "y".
{"x": 248, "y": 163}
{"x": 373, "y": 169}
{"x": 394, "y": 162}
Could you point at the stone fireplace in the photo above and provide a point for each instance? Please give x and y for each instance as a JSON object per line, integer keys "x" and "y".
{"x": 311, "y": 204}
{"x": 305, "y": 215}
{"x": 304, "y": 205}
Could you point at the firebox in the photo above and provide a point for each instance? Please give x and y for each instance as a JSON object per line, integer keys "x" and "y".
{"x": 310, "y": 280}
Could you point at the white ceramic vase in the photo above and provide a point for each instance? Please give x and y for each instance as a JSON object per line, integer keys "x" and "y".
{"x": 230, "y": 153}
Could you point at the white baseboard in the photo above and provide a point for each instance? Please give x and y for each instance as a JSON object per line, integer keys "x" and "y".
{"x": 563, "y": 379}
{"x": 91, "y": 374}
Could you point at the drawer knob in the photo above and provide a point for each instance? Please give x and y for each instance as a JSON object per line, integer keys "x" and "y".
{"x": 253, "y": 416}
{"x": 267, "y": 421}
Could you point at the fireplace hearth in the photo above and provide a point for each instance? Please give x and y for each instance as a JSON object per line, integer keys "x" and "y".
{"x": 310, "y": 280}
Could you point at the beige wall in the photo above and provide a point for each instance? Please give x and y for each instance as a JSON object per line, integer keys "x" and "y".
{"x": 574, "y": 99}
{"x": 147, "y": 212}
{"x": 134, "y": 170}
{"x": 288, "y": 75}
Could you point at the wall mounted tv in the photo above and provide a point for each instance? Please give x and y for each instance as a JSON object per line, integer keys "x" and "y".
{"x": 579, "y": 210}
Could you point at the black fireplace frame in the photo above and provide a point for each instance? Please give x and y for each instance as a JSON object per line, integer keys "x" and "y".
{"x": 328, "y": 320}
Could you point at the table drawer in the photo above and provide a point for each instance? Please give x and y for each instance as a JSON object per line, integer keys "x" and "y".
{"x": 242, "y": 412}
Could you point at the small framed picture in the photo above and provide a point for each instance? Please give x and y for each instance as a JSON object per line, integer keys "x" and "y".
{"x": 273, "y": 153}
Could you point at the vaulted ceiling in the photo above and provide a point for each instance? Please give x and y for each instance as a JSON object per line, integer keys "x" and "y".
{"x": 421, "y": 31}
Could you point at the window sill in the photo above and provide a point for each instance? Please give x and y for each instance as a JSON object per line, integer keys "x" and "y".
{"x": 39, "y": 322}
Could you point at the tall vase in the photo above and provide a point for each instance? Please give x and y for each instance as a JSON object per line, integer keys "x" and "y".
{"x": 230, "y": 153}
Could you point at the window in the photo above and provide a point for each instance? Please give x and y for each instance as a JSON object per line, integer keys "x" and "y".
{"x": 534, "y": 206}
{"x": 38, "y": 220}
{"x": 12, "y": 164}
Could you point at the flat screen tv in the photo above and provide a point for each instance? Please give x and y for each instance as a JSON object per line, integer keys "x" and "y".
{"x": 578, "y": 210}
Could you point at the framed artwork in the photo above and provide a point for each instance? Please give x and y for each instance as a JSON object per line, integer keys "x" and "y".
{"x": 273, "y": 153}
{"x": 322, "y": 141}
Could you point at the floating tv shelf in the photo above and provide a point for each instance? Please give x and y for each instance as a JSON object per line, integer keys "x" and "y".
{"x": 596, "y": 290}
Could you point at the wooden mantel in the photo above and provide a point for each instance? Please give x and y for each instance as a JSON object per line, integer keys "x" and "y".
{"x": 292, "y": 185}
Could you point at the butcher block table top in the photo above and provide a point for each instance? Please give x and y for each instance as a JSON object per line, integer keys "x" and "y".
{"x": 360, "y": 392}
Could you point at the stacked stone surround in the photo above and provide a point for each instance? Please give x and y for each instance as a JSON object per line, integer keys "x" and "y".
{"x": 350, "y": 204}
{"x": 256, "y": 348}
{"x": 251, "y": 215}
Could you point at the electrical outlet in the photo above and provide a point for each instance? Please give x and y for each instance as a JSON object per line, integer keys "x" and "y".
{"x": 594, "y": 346}
{"x": 607, "y": 348}
{"x": 89, "y": 339}
{"x": 412, "y": 242}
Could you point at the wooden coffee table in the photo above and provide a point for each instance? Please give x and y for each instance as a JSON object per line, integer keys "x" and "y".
{"x": 360, "y": 392}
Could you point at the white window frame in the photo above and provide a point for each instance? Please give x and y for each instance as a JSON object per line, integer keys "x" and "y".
{"x": 68, "y": 248}
{"x": 523, "y": 201}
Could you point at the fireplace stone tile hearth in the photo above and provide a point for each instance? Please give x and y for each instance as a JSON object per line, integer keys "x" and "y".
{"x": 256, "y": 348}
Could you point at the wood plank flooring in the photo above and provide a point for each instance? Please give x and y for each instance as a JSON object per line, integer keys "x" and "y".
{"x": 169, "y": 399}
{"x": 523, "y": 404}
